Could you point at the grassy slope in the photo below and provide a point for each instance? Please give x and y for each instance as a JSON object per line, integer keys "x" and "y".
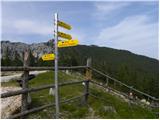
{"x": 75, "y": 109}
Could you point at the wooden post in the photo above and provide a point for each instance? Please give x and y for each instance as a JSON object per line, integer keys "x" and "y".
{"x": 86, "y": 91}
{"x": 88, "y": 78}
{"x": 88, "y": 71}
{"x": 107, "y": 81}
{"x": 114, "y": 85}
{"x": 25, "y": 81}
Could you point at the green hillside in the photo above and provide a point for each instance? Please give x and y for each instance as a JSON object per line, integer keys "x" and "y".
{"x": 104, "y": 105}
{"x": 135, "y": 70}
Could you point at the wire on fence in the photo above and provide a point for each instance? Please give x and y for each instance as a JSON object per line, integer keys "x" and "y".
{"x": 107, "y": 87}
{"x": 153, "y": 98}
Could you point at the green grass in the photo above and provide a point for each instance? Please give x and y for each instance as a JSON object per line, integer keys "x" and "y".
{"x": 76, "y": 109}
{"x": 42, "y": 97}
{"x": 10, "y": 83}
{"x": 123, "y": 109}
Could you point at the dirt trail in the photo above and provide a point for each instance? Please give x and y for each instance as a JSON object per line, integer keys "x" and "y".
{"x": 18, "y": 75}
{"x": 9, "y": 104}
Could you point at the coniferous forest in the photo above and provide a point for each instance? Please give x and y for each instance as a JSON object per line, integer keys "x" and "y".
{"x": 135, "y": 70}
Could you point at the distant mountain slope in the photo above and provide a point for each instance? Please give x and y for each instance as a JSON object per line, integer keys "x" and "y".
{"x": 138, "y": 71}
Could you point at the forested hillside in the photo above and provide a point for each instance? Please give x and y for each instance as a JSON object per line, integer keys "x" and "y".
{"x": 138, "y": 71}
{"x": 135, "y": 70}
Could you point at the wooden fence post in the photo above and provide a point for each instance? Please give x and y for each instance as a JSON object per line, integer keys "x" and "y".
{"x": 114, "y": 84}
{"x": 88, "y": 70}
{"x": 107, "y": 81}
{"x": 25, "y": 81}
{"x": 88, "y": 78}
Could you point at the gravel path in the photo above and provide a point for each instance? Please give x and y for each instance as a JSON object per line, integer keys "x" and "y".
{"x": 9, "y": 104}
{"x": 17, "y": 76}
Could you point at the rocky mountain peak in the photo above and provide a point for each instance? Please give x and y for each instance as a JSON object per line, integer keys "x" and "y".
{"x": 17, "y": 48}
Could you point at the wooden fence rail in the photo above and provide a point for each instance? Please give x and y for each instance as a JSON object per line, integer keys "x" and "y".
{"x": 15, "y": 68}
{"x": 28, "y": 90}
{"x": 42, "y": 107}
{"x": 25, "y": 112}
{"x": 129, "y": 87}
{"x": 25, "y": 90}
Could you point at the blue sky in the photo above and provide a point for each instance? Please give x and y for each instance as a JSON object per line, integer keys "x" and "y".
{"x": 124, "y": 25}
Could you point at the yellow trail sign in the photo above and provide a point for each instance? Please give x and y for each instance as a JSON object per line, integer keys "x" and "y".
{"x": 64, "y": 35}
{"x": 67, "y": 43}
{"x": 64, "y": 25}
{"x": 47, "y": 57}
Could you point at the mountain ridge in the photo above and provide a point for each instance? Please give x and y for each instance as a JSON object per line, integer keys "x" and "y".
{"x": 136, "y": 70}
{"x": 123, "y": 50}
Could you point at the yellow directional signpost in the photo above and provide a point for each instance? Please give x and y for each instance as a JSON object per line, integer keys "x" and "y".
{"x": 67, "y": 43}
{"x": 64, "y": 25}
{"x": 64, "y": 35}
{"x": 48, "y": 57}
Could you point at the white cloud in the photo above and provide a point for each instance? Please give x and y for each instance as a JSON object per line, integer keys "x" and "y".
{"x": 23, "y": 27}
{"x": 134, "y": 33}
{"x": 32, "y": 27}
{"x": 109, "y": 7}
{"x": 76, "y": 34}
{"x": 26, "y": 27}
{"x": 105, "y": 10}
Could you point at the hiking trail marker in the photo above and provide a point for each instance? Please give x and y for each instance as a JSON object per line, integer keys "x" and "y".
{"x": 47, "y": 57}
{"x": 64, "y": 25}
{"x": 64, "y": 35}
{"x": 66, "y": 43}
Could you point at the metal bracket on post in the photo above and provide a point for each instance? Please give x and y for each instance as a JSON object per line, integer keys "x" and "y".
{"x": 56, "y": 64}
{"x": 25, "y": 81}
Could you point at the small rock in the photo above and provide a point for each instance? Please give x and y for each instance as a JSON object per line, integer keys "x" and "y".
{"x": 67, "y": 72}
{"x": 83, "y": 83}
{"x": 109, "y": 109}
{"x": 143, "y": 100}
{"x": 147, "y": 103}
{"x": 45, "y": 110}
{"x": 51, "y": 91}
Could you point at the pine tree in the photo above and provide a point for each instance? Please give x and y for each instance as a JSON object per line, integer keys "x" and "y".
{"x": 7, "y": 61}
{"x": 17, "y": 61}
{"x": 32, "y": 59}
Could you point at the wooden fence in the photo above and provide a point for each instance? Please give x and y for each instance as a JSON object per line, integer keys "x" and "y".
{"x": 26, "y": 90}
